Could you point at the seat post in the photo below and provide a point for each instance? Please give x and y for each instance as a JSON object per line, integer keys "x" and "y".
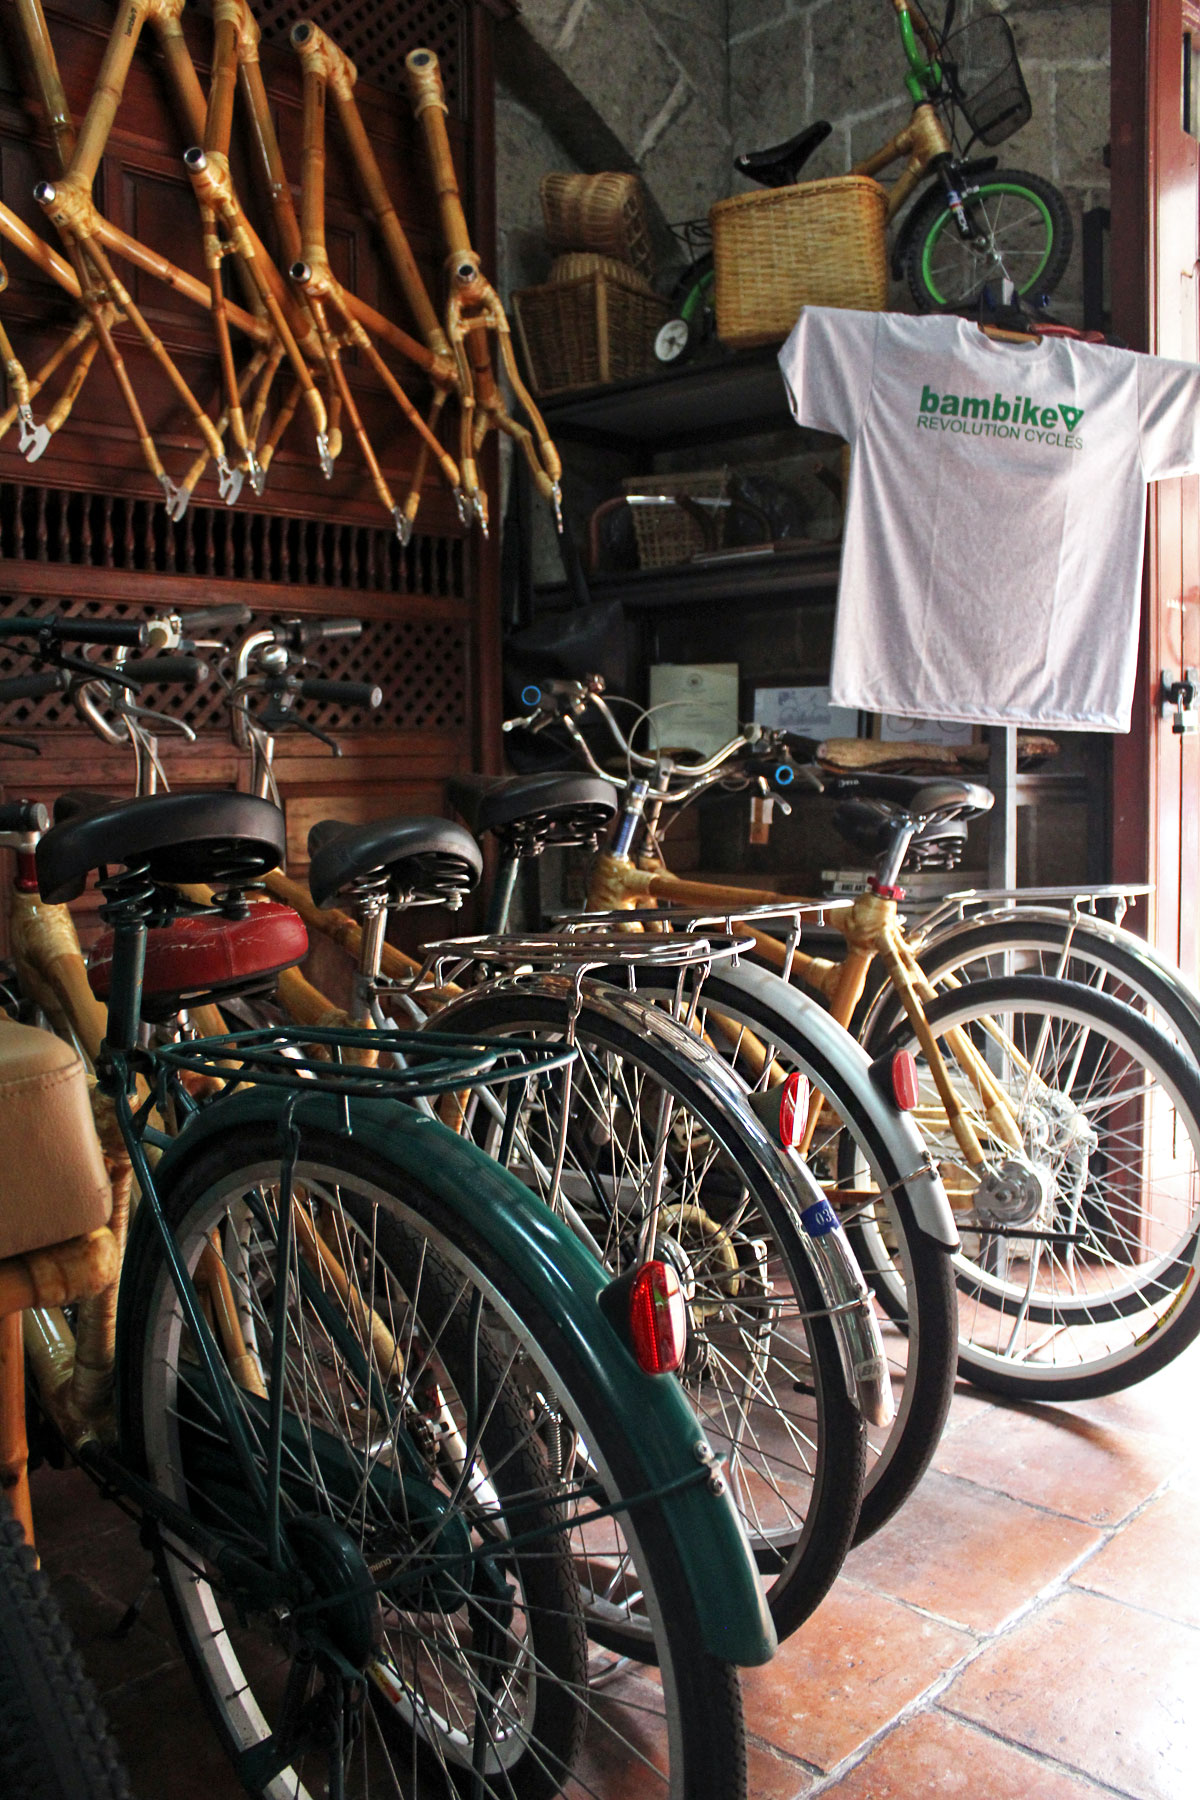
{"x": 372, "y": 918}
{"x": 504, "y": 886}
{"x": 127, "y": 901}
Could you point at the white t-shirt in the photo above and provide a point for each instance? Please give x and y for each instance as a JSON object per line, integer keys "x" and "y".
{"x": 991, "y": 569}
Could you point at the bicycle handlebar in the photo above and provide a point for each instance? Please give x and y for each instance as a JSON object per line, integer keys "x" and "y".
{"x": 24, "y": 815}
{"x": 78, "y": 631}
{"x": 33, "y": 687}
{"x": 179, "y": 671}
{"x": 342, "y": 693}
{"x": 297, "y": 634}
{"x": 215, "y": 618}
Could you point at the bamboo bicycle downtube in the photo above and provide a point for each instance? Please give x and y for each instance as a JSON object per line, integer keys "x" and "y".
{"x": 280, "y": 322}
{"x": 88, "y": 237}
{"x": 473, "y": 309}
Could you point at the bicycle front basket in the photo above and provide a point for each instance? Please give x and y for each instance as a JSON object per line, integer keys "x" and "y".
{"x": 983, "y": 75}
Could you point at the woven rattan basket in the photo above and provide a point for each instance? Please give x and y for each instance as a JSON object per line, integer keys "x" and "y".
{"x": 605, "y": 213}
{"x": 574, "y": 263}
{"x": 820, "y": 243}
{"x": 670, "y": 534}
{"x": 586, "y": 332}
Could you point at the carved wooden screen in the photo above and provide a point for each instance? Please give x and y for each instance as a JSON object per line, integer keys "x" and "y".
{"x": 85, "y": 530}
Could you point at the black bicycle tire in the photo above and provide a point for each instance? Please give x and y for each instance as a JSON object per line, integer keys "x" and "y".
{"x": 992, "y": 937}
{"x": 54, "y": 1737}
{"x": 924, "y": 1409}
{"x": 831, "y": 1523}
{"x": 706, "y": 1688}
{"x": 1181, "y": 1321}
{"x": 932, "y": 214}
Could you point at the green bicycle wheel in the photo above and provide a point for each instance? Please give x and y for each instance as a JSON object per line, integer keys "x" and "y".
{"x": 1022, "y": 231}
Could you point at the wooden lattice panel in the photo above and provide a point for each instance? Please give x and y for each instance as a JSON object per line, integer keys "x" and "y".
{"x": 113, "y": 531}
{"x": 377, "y": 38}
{"x": 420, "y": 665}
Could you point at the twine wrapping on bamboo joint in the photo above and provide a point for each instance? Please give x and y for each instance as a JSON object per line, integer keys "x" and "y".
{"x": 819, "y": 243}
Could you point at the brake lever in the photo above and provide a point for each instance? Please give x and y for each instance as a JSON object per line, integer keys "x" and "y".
{"x": 107, "y": 672}
{"x": 276, "y": 719}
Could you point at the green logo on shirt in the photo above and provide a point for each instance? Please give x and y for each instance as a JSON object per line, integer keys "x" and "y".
{"x": 1020, "y": 417}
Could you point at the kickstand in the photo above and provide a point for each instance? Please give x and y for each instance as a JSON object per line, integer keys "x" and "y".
{"x": 133, "y": 1611}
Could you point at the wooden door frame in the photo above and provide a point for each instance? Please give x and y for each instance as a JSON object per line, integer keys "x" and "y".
{"x": 1155, "y": 252}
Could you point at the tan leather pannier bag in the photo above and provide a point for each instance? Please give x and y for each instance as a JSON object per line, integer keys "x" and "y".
{"x": 52, "y": 1180}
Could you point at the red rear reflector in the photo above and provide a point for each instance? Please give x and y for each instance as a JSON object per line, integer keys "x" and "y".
{"x": 784, "y": 1109}
{"x": 904, "y": 1079}
{"x": 657, "y": 1318}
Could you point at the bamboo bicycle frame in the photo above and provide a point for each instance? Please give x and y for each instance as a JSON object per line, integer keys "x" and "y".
{"x": 473, "y": 309}
{"x": 73, "y": 1369}
{"x": 871, "y": 927}
{"x": 87, "y": 237}
{"x": 924, "y": 138}
{"x": 287, "y": 320}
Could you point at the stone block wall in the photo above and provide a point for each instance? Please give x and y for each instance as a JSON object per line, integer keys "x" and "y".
{"x": 673, "y": 88}
{"x": 641, "y": 85}
{"x": 792, "y": 61}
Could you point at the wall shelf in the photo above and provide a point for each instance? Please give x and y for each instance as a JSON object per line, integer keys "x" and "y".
{"x": 734, "y": 394}
{"x": 804, "y": 575}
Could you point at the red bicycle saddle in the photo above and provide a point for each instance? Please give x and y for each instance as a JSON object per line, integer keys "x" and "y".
{"x": 203, "y": 954}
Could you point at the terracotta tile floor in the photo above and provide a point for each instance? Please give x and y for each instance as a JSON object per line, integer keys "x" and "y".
{"x": 1029, "y": 1626}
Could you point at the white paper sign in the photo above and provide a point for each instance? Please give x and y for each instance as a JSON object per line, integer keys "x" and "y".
{"x": 804, "y": 710}
{"x": 699, "y": 706}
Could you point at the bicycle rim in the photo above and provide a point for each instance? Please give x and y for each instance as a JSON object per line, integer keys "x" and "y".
{"x": 1019, "y": 232}
{"x": 847, "y": 1159}
{"x": 761, "y": 1371}
{"x": 1080, "y": 1244}
{"x": 479, "y": 1682}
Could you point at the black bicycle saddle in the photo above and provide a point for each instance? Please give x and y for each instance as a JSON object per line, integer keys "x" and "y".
{"x": 781, "y": 165}
{"x": 422, "y": 861}
{"x": 534, "y": 811}
{"x": 177, "y": 837}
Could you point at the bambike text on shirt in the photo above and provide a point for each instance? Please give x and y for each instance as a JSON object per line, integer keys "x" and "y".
{"x": 1021, "y": 417}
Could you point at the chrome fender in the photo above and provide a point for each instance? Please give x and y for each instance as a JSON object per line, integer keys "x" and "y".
{"x": 856, "y": 1329}
{"x": 827, "y": 1053}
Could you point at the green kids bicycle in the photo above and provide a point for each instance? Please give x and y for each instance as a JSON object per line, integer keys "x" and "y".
{"x": 979, "y": 233}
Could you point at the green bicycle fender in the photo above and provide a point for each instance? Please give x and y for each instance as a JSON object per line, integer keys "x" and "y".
{"x": 566, "y": 1281}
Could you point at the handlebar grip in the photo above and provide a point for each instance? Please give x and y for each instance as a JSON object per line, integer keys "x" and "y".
{"x": 182, "y": 671}
{"x": 297, "y": 633}
{"x": 24, "y": 815}
{"x": 100, "y": 631}
{"x": 342, "y": 693}
{"x": 33, "y": 687}
{"x": 215, "y": 618}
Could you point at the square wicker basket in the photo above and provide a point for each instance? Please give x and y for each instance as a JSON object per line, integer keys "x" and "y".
{"x": 819, "y": 243}
{"x": 667, "y": 534}
{"x": 585, "y": 332}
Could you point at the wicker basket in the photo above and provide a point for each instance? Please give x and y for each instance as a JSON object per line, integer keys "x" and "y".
{"x": 669, "y": 534}
{"x": 583, "y": 333}
{"x": 606, "y": 213}
{"x": 820, "y": 243}
{"x": 574, "y": 263}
